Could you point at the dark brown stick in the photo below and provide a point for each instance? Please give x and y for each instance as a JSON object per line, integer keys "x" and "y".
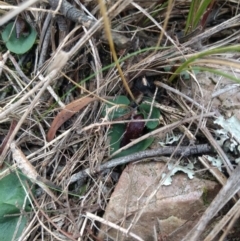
{"x": 72, "y": 13}
{"x": 78, "y": 16}
{"x": 164, "y": 151}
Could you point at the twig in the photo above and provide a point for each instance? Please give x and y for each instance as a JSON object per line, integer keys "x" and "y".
{"x": 72, "y": 13}
{"x": 44, "y": 40}
{"x": 78, "y": 16}
{"x": 164, "y": 151}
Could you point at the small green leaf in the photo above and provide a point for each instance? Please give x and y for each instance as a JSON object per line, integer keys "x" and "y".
{"x": 12, "y": 200}
{"x": 18, "y": 45}
{"x": 119, "y": 111}
{"x": 145, "y": 110}
{"x": 117, "y": 131}
{"x": 8, "y": 228}
{"x": 184, "y": 74}
{"x": 116, "y": 134}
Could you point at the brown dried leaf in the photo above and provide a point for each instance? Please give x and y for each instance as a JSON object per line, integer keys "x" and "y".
{"x": 66, "y": 114}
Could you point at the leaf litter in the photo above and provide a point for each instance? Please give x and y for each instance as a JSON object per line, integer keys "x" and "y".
{"x": 85, "y": 146}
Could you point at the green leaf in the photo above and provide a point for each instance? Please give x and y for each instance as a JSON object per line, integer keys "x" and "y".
{"x": 8, "y": 228}
{"x": 184, "y": 74}
{"x": 200, "y": 12}
{"x": 234, "y": 48}
{"x": 18, "y": 45}
{"x": 145, "y": 110}
{"x": 12, "y": 199}
{"x": 118, "y": 111}
{"x": 117, "y": 131}
{"x": 116, "y": 135}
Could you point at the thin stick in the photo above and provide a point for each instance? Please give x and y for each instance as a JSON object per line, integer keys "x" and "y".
{"x": 113, "y": 225}
{"x": 16, "y": 11}
{"x": 177, "y": 92}
{"x": 182, "y": 150}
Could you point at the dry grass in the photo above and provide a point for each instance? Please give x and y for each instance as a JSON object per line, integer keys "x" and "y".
{"x": 71, "y": 62}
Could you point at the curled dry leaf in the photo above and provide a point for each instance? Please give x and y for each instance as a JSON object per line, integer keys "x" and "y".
{"x": 66, "y": 114}
{"x": 133, "y": 130}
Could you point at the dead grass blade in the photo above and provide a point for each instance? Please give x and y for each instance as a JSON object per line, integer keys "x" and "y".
{"x": 231, "y": 187}
{"x": 111, "y": 44}
{"x": 113, "y": 225}
{"x": 16, "y": 11}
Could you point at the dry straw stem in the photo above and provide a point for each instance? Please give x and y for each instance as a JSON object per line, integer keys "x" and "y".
{"x": 214, "y": 170}
{"x": 3, "y": 59}
{"x": 152, "y": 57}
{"x": 87, "y": 91}
{"x": 209, "y": 32}
{"x": 16, "y": 11}
{"x": 39, "y": 88}
{"x": 5, "y": 140}
{"x": 28, "y": 170}
{"x": 158, "y": 57}
{"x": 232, "y": 221}
{"x": 32, "y": 9}
{"x": 218, "y": 149}
{"x": 178, "y": 93}
{"x": 162, "y": 29}
{"x": 107, "y": 28}
{"x": 231, "y": 187}
{"x": 39, "y": 210}
{"x": 113, "y": 225}
{"x": 230, "y": 218}
{"x": 19, "y": 70}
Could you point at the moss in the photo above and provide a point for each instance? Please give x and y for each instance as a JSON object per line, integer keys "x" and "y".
{"x": 205, "y": 196}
